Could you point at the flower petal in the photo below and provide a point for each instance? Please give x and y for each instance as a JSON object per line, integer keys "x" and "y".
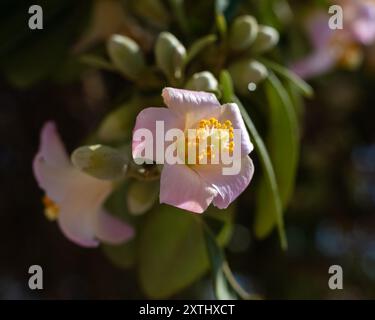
{"x": 193, "y": 194}
{"x": 78, "y": 210}
{"x": 364, "y": 31}
{"x": 55, "y": 181}
{"x": 231, "y": 112}
{"x": 193, "y": 105}
{"x": 51, "y": 146}
{"x": 317, "y": 63}
{"x": 146, "y": 119}
{"x": 111, "y": 229}
{"x": 318, "y": 29}
{"x": 363, "y": 24}
{"x": 229, "y": 187}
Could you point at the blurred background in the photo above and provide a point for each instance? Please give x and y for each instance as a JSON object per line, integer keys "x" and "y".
{"x": 329, "y": 221}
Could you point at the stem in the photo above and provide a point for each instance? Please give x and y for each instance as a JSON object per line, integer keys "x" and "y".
{"x": 223, "y": 264}
{"x": 236, "y": 286}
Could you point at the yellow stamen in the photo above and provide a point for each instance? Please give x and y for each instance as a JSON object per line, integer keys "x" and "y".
{"x": 214, "y": 139}
{"x": 51, "y": 210}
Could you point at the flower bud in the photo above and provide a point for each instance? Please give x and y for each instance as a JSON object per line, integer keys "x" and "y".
{"x": 266, "y": 39}
{"x": 203, "y": 81}
{"x": 126, "y": 56}
{"x": 141, "y": 196}
{"x": 100, "y": 161}
{"x": 247, "y": 72}
{"x": 243, "y": 32}
{"x": 170, "y": 55}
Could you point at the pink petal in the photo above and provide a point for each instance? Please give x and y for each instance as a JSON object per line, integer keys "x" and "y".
{"x": 193, "y": 105}
{"x": 363, "y": 25}
{"x": 229, "y": 187}
{"x": 111, "y": 229}
{"x": 318, "y": 29}
{"x": 146, "y": 119}
{"x": 78, "y": 210}
{"x": 181, "y": 187}
{"x": 51, "y": 147}
{"x": 364, "y": 32}
{"x": 55, "y": 181}
{"x": 51, "y": 165}
{"x": 231, "y": 112}
{"x": 317, "y": 63}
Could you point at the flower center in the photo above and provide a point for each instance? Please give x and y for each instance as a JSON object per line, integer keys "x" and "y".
{"x": 349, "y": 52}
{"x": 51, "y": 209}
{"x": 208, "y": 140}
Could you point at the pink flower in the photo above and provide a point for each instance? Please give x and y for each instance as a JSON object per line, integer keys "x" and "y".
{"x": 194, "y": 186}
{"x": 340, "y": 46}
{"x": 74, "y": 198}
{"x": 359, "y": 17}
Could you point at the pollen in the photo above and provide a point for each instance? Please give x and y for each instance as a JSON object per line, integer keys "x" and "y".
{"x": 211, "y": 137}
{"x": 51, "y": 209}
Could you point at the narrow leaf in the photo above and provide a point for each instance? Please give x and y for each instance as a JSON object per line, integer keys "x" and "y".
{"x": 302, "y": 85}
{"x": 282, "y": 142}
{"x": 97, "y": 62}
{"x": 198, "y": 46}
{"x": 271, "y": 190}
{"x": 283, "y": 137}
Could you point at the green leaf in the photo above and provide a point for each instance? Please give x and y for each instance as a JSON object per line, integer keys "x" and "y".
{"x": 222, "y": 289}
{"x": 198, "y": 46}
{"x": 283, "y": 136}
{"x": 172, "y": 251}
{"x": 283, "y": 147}
{"x": 303, "y": 86}
{"x": 270, "y": 194}
{"x": 141, "y": 196}
{"x": 118, "y": 124}
{"x": 97, "y": 62}
{"x": 123, "y": 255}
{"x": 226, "y": 86}
{"x": 100, "y": 161}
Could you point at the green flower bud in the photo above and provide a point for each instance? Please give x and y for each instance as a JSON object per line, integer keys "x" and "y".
{"x": 100, "y": 161}
{"x": 126, "y": 56}
{"x": 243, "y": 32}
{"x": 170, "y": 55}
{"x": 203, "y": 81}
{"x": 141, "y": 196}
{"x": 266, "y": 39}
{"x": 246, "y": 74}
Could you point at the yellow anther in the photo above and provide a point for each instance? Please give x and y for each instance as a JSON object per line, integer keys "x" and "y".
{"x": 51, "y": 209}
{"x": 214, "y": 139}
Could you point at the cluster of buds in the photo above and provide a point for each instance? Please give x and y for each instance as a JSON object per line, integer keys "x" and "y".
{"x": 250, "y": 39}
{"x": 246, "y": 41}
